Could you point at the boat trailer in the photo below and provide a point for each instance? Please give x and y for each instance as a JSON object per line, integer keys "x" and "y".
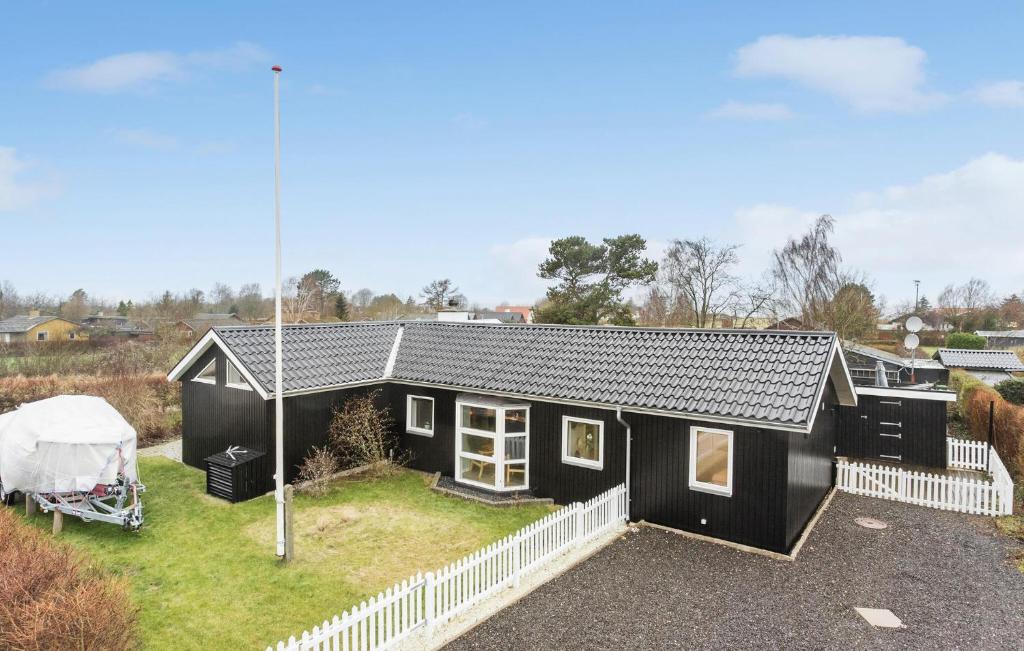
{"x": 108, "y": 503}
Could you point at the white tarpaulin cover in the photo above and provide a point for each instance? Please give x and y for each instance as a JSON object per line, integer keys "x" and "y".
{"x": 65, "y": 444}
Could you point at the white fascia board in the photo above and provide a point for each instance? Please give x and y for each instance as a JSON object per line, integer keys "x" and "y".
{"x": 910, "y": 394}
{"x": 846, "y": 390}
{"x": 190, "y": 357}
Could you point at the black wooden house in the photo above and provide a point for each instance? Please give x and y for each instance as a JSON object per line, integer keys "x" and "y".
{"x": 727, "y": 433}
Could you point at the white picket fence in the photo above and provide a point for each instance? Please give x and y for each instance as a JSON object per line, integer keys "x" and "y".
{"x": 436, "y": 597}
{"x": 967, "y": 455}
{"x": 978, "y": 496}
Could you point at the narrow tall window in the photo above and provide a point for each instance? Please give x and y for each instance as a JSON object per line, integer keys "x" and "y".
{"x": 711, "y": 460}
{"x": 208, "y": 374}
{"x": 419, "y": 415}
{"x": 234, "y": 378}
{"x": 583, "y": 442}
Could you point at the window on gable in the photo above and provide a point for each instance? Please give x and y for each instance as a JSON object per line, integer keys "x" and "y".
{"x": 583, "y": 442}
{"x": 208, "y": 374}
{"x": 42, "y": 336}
{"x": 711, "y": 460}
{"x": 234, "y": 378}
{"x": 419, "y": 415}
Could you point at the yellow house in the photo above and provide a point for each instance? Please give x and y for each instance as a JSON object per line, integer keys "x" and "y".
{"x": 35, "y": 327}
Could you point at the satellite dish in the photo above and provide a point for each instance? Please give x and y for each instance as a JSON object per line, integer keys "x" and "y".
{"x": 914, "y": 324}
{"x": 911, "y": 341}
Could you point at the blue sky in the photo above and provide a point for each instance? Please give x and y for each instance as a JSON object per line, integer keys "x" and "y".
{"x": 427, "y": 140}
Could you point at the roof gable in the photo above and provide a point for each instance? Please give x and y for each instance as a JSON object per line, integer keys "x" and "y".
{"x": 25, "y": 323}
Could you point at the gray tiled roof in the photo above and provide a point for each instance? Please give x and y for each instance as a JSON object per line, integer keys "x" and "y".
{"x": 315, "y": 356}
{"x": 23, "y": 323}
{"x": 764, "y": 376}
{"x": 1001, "y": 360}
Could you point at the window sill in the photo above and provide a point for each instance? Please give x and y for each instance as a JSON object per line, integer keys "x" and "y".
{"x": 419, "y": 432}
{"x": 592, "y": 465}
{"x": 195, "y": 379}
{"x": 244, "y": 387}
{"x": 712, "y": 489}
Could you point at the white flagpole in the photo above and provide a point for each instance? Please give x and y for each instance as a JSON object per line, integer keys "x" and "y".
{"x": 278, "y": 354}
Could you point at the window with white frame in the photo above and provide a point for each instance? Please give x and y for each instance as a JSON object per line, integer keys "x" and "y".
{"x": 492, "y": 442}
{"x": 208, "y": 374}
{"x": 419, "y": 415}
{"x": 42, "y": 336}
{"x": 234, "y": 378}
{"x": 711, "y": 460}
{"x": 583, "y": 442}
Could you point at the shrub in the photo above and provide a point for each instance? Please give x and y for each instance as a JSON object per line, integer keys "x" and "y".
{"x": 965, "y": 340}
{"x": 361, "y": 433}
{"x": 317, "y": 469}
{"x": 149, "y": 402}
{"x": 52, "y": 598}
{"x": 1012, "y": 390}
{"x": 974, "y": 401}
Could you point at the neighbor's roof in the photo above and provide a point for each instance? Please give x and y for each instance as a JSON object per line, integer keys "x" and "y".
{"x": 749, "y": 375}
{"x": 23, "y": 323}
{"x": 886, "y": 356}
{"x": 998, "y": 360}
{"x": 1010, "y": 334}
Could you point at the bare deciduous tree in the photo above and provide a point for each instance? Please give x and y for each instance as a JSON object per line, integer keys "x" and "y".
{"x": 702, "y": 273}
{"x": 361, "y": 433}
{"x": 437, "y": 294}
{"x": 807, "y": 272}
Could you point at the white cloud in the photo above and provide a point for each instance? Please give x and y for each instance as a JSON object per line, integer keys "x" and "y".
{"x": 134, "y": 70}
{"x": 733, "y": 110}
{"x": 946, "y": 227}
{"x": 145, "y": 138}
{"x": 15, "y": 192}
{"x": 1001, "y": 94}
{"x": 870, "y": 73}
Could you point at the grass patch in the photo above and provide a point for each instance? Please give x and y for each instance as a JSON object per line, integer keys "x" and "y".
{"x": 203, "y": 571}
{"x": 1013, "y": 525}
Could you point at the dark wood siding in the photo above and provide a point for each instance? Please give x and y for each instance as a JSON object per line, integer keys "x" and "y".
{"x": 810, "y": 473}
{"x": 921, "y": 429}
{"x": 755, "y": 513}
{"x": 214, "y": 417}
{"x": 549, "y": 477}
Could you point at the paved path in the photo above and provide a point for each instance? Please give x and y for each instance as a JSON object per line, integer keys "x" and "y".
{"x": 946, "y": 575}
{"x": 170, "y": 449}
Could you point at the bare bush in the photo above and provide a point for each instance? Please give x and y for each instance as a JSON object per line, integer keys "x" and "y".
{"x": 149, "y": 402}
{"x": 361, "y": 433}
{"x": 54, "y": 599}
{"x": 317, "y": 469}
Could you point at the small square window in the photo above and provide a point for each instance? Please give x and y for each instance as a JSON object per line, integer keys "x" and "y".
{"x": 583, "y": 442}
{"x": 42, "y": 336}
{"x": 711, "y": 460}
{"x": 419, "y": 415}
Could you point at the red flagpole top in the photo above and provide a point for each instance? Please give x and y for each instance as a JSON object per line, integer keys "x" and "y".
{"x": 276, "y": 68}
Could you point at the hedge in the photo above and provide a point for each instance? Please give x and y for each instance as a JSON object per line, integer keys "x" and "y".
{"x": 965, "y": 340}
{"x": 974, "y": 398}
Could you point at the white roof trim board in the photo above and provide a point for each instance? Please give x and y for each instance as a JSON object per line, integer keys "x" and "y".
{"x": 913, "y": 394}
{"x": 770, "y": 379}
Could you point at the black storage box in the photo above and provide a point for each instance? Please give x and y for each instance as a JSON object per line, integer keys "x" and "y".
{"x": 234, "y": 474}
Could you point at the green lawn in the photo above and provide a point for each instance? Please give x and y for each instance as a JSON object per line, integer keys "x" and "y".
{"x": 204, "y": 573}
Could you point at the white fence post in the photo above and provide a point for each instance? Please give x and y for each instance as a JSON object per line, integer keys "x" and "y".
{"x": 429, "y": 593}
{"x": 517, "y": 557}
{"x": 578, "y": 507}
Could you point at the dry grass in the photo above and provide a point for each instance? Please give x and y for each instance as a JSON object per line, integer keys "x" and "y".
{"x": 149, "y": 402}
{"x": 52, "y": 598}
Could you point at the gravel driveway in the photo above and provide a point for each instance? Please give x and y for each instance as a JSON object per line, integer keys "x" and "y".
{"x": 947, "y": 576}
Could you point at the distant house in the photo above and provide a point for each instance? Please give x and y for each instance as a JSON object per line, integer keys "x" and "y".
{"x": 791, "y": 323}
{"x": 524, "y": 310}
{"x": 500, "y": 317}
{"x": 200, "y": 323}
{"x": 863, "y": 362}
{"x": 35, "y": 327}
{"x": 117, "y": 326}
{"x": 989, "y": 366}
{"x": 1002, "y": 339}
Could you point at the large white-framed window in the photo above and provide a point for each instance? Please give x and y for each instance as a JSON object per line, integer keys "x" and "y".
{"x": 234, "y": 379}
{"x": 583, "y": 442}
{"x": 419, "y": 415}
{"x": 492, "y": 443}
{"x": 711, "y": 452}
{"x": 209, "y": 373}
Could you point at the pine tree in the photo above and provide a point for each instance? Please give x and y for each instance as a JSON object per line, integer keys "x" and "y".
{"x": 341, "y": 307}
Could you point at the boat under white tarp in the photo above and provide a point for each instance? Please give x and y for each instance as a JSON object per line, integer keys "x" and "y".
{"x": 75, "y": 454}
